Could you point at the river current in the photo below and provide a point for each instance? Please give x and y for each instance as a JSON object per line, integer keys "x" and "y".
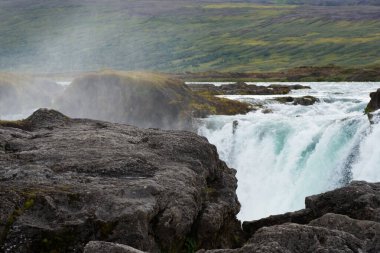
{"x": 296, "y": 151}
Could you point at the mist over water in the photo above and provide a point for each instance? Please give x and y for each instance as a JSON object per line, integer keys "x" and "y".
{"x": 297, "y": 151}
{"x": 293, "y": 152}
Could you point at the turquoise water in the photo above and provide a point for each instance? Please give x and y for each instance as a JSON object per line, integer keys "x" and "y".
{"x": 297, "y": 151}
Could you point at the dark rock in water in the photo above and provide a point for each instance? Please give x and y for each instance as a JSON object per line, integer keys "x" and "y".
{"x": 374, "y": 104}
{"x": 240, "y": 88}
{"x": 359, "y": 200}
{"x": 305, "y": 100}
{"x": 296, "y": 238}
{"x": 65, "y": 182}
{"x": 108, "y": 247}
{"x": 235, "y": 125}
{"x": 291, "y": 87}
{"x": 301, "y": 217}
{"x": 21, "y": 92}
{"x": 342, "y": 220}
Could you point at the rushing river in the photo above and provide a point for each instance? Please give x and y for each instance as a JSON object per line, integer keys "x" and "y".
{"x": 296, "y": 151}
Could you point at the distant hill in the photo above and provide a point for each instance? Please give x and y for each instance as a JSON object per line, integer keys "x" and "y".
{"x": 325, "y": 2}
{"x": 180, "y": 36}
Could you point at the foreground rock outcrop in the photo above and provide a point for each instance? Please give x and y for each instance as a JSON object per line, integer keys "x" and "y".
{"x": 65, "y": 182}
{"x": 343, "y": 220}
{"x": 142, "y": 99}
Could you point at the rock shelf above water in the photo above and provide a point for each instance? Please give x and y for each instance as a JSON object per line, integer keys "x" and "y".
{"x": 65, "y": 182}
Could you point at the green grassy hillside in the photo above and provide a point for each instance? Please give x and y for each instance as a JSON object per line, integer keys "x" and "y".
{"x": 179, "y": 36}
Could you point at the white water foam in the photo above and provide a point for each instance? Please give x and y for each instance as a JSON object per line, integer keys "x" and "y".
{"x": 297, "y": 151}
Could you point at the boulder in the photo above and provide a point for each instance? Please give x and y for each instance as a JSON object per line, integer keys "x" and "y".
{"x": 343, "y": 220}
{"x": 294, "y": 238}
{"x": 289, "y": 86}
{"x": 372, "y": 108}
{"x": 65, "y": 182}
{"x": 240, "y": 88}
{"x": 305, "y": 100}
{"x": 358, "y": 200}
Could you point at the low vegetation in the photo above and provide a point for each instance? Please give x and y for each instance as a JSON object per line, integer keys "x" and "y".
{"x": 193, "y": 36}
{"x": 302, "y": 74}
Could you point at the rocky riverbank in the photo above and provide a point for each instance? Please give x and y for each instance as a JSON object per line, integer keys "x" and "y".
{"x": 74, "y": 185}
{"x": 241, "y": 88}
{"x": 343, "y": 220}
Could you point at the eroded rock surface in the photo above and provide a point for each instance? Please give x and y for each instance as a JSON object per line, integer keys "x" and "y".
{"x": 305, "y": 100}
{"x": 374, "y": 104}
{"x": 65, "y": 182}
{"x": 241, "y": 88}
{"x": 108, "y": 247}
{"x": 343, "y": 220}
{"x": 372, "y": 109}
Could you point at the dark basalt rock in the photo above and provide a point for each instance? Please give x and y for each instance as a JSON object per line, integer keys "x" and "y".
{"x": 292, "y": 87}
{"x": 296, "y": 238}
{"x": 367, "y": 231}
{"x": 65, "y": 182}
{"x": 342, "y": 220}
{"x": 359, "y": 200}
{"x": 108, "y": 247}
{"x": 305, "y": 100}
{"x": 240, "y": 88}
{"x": 374, "y": 104}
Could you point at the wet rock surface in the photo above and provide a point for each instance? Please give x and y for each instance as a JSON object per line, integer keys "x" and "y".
{"x": 374, "y": 104}
{"x": 241, "y": 88}
{"x": 290, "y": 86}
{"x": 305, "y": 100}
{"x": 343, "y": 220}
{"x": 102, "y": 247}
{"x": 65, "y": 182}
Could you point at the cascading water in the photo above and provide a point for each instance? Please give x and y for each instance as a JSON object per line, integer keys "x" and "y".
{"x": 297, "y": 151}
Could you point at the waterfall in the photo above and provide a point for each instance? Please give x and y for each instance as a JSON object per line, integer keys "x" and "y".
{"x": 297, "y": 151}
